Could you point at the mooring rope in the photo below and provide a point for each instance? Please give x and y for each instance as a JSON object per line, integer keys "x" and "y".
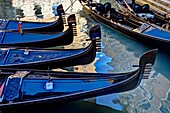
{"x": 70, "y": 5}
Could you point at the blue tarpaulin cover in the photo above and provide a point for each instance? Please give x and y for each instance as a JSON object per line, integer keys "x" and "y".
{"x": 159, "y": 34}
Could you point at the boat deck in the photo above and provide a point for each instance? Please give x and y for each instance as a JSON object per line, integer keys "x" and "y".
{"x": 159, "y": 33}
{"x": 162, "y": 6}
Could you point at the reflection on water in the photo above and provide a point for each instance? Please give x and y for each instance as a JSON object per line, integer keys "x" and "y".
{"x": 72, "y": 107}
{"x": 38, "y": 11}
{"x": 112, "y": 101}
{"x": 101, "y": 63}
{"x": 119, "y": 53}
{"x": 6, "y": 9}
{"x": 19, "y": 13}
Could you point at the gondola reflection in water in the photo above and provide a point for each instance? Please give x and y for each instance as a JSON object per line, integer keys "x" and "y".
{"x": 26, "y": 88}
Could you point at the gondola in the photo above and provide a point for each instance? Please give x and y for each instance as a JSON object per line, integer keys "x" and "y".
{"x": 157, "y": 13}
{"x": 56, "y": 26}
{"x": 41, "y": 40}
{"x": 128, "y": 26}
{"x": 26, "y": 88}
{"x": 142, "y": 13}
{"x": 51, "y": 58}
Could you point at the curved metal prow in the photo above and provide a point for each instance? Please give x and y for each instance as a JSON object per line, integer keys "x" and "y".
{"x": 60, "y": 10}
{"x": 95, "y": 35}
{"x": 71, "y": 19}
{"x": 95, "y": 32}
{"x": 61, "y": 13}
{"x": 147, "y": 58}
{"x": 72, "y": 22}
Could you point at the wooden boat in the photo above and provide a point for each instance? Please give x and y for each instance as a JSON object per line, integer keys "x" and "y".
{"x": 27, "y": 88}
{"x": 51, "y": 58}
{"x": 56, "y": 26}
{"x": 11, "y": 39}
{"x": 157, "y": 13}
{"x": 143, "y": 13}
{"x": 122, "y": 23}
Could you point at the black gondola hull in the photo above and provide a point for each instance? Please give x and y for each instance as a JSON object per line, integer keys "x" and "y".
{"x": 43, "y": 27}
{"x": 64, "y": 39}
{"x": 99, "y": 82}
{"x": 126, "y": 86}
{"x": 48, "y": 59}
{"x": 81, "y": 59}
{"x": 40, "y": 40}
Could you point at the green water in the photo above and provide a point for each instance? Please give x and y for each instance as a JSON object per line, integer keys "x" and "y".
{"x": 119, "y": 53}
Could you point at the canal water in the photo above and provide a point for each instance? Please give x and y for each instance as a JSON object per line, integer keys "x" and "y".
{"x": 118, "y": 54}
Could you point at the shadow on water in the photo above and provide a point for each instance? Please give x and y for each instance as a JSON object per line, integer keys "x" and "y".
{"x": 72, "y": 107}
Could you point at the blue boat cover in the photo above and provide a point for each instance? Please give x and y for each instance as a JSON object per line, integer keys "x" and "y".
{"x": 159, "y": 34}
{"x": 61, "y": 87}
{"x": 15, "y": 37}
{"x": 3, "y": 24}
{"x": 1, "y": 36}
{"x": 15, "y": 56}
{"x": 25, "y": 25}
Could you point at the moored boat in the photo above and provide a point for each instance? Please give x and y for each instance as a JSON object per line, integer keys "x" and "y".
{"x": 56, "y": 26}
{"x": 11, "y": 39}
{"x": 27, "y": 88}
{"x": 158, "y": 12}
{"x": 121, "y": 22}
{"x": 51, "y": 58}
{"x": 144, "y": 14}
